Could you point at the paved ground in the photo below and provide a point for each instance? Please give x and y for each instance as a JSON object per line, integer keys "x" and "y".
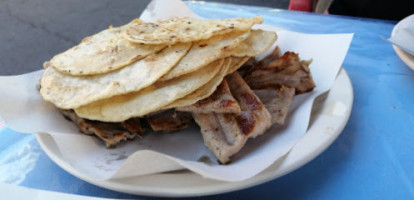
{"x": 32, "y": 31}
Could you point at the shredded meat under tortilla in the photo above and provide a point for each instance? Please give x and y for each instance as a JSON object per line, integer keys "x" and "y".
{"x": 170, "y": 120}
{"x": 110, "y": 133}
{"x": 287, "y": 70}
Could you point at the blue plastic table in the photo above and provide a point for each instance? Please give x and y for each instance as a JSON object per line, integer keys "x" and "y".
{"x": 371, "y": 159}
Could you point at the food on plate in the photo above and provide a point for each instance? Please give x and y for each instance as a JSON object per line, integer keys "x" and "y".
{"x": 74, "y": 91}
{"x": 185, "y": 29}
{"x": 169, "y": 120}
{"x": 277, "y": 102}
{"x": 231, "y": 44}
{"x": 110, "y": 133}
{"x": 221, "y": 101}
{"x": 149, "y": 99}
{"x": 226, "y": 133}
{"x": 204, "y": 91}
{"x": 286, "y": 70}
{"x": 257, "y": 43}
{"x": 103, "y": 52}
{"x": 170, "y": 74}
{"x": 204, "y": 52}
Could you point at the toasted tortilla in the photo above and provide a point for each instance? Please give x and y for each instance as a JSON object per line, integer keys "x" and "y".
{"x": 236, "y": 63}
{"x": 73, "y": 91}
{"x": 102, "y": 52}
{"x": 209, "y": 88}
{"x": 185, "y": 29}
{"x": 204, "y": 52}
{"x": 257, "y": 43}
{"x": 150, "y": 99}
{"x": 204, "y": 91}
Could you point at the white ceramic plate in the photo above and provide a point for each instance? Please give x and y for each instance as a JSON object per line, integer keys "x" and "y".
{"x": 329, "y": 115}
{"x": 404, "y": 56}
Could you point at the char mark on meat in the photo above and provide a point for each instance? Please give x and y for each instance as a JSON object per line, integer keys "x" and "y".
{"x": 250, "y": 105}
{"x": 287, "y": 70}
{"x": 111, "y": 133}
{"x": 226, "y": 133}
{"x": 170, "y": 120}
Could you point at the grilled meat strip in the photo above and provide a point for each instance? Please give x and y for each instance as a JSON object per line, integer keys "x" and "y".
{"x": 254, "y": 118}
{"x": 252, "y": 62}
{"x": 278, "y": 103}
{"x": 287, "y": 70}
{"x": 221, "y": 101}
{"x": 226, "y": 133}
{"x": 110, "y": 133}
{"x": 170, "y": 120}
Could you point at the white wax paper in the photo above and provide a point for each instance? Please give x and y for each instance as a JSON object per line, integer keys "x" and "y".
{"x": 24, "y": 110}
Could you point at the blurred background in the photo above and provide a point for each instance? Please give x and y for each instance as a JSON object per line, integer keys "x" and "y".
{"x": 32, "y": 31}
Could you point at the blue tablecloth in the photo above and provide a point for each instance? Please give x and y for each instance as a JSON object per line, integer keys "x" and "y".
{"x": 371, "y": 159}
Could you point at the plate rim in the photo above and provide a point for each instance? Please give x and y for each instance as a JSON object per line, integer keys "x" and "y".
{"x": 222, "y": 187}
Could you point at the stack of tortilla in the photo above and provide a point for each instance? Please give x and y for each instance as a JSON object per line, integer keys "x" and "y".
{"x": 144, "y": 67}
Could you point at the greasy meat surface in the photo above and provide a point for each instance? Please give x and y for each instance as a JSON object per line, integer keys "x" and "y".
{"x": 221, "y": 143}
{"x": 134, "y": 125}
{"x": 221, "y": 101}
{"x": 287, "y": 70}
{"x": 278, "y": 103}
{"x": 170, "y": 120}
{"x": 226, "y": 133}
{"x": 254, "y": 119}
{"x": 110, "y": 133}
